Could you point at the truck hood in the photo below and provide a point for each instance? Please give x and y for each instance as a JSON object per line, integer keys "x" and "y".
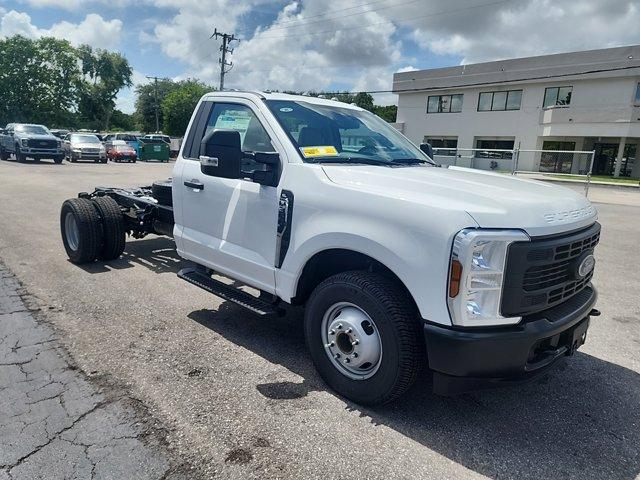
{"x": 86, "y": 145}
{"x": 493, "y": 200}
{"x": 35, "y": 137}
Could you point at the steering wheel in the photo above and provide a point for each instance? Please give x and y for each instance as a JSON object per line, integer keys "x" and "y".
{"x": 368, "y": 149}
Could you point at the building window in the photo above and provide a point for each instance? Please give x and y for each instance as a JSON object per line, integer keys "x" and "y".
{"x": 560, "y": 161}
{"x": 444, "y": 104}
{"x": 638, "y": 94}
{"x": 557, "y": 96}
{"x": 444, "y": 143}
{"x": 487, "y": 148}
{"x": 499, "y": 101}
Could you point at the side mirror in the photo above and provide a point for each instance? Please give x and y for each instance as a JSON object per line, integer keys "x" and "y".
{"x": 427, "y": 149}
{"x": 220, "y": 154}
{"x": 267, "y": 158}
{"x": 269, "y": 176}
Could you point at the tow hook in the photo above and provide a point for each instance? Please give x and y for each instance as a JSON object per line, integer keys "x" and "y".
{"x": 594, "y": 312}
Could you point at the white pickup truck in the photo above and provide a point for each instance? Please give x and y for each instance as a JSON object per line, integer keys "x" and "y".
{"x": 401, "y": 264}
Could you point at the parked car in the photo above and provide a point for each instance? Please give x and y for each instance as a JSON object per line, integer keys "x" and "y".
{"x": 155, "y": 137}
{"x": 84, "y": 146}
{"x": 401, "y": 264}
{"x": 27, "y": 140}
{"x": 60, "y": 133}
{"x": 119, "y": 151}
{"x": 130, "y": 139}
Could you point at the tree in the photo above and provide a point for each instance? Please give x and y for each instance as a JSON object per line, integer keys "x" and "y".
{"x": 178, "y": 105}
{"x": 122, "y": 121}
{"x": 39, "y": 80}
{"x": 145, "y": 116}
{"x": 104, "y": 75}
{"x": 386, "y": 112}
{"x": 364, "y": 100}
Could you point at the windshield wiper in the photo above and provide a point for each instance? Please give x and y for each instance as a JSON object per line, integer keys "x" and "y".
{"x": 351, "y": 160}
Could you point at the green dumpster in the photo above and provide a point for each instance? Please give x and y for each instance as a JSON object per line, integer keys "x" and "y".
{"x": 154, "y": 150}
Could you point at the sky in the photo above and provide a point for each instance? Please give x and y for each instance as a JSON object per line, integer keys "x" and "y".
{"x": 321, "y": 45}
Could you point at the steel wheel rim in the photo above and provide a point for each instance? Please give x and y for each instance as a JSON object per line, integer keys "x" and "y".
{"x": 351, "y": 340}
{"x": 71, "y": 231}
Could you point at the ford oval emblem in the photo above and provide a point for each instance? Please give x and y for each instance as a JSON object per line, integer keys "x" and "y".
{"x": 586, "y": 266}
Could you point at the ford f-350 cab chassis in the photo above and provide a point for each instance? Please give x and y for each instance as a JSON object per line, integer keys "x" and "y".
{"x": 400, "y": 264}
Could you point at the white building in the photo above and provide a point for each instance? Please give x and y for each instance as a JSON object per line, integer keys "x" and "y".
{"x": 572, "y": 101}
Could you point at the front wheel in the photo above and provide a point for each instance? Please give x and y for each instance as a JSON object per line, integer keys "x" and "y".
{"x": 20, "y": 157}
{"x": 363, "y": 334}
{"x": 59, "y": 159}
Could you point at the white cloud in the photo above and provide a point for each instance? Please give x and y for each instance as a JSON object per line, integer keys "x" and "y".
{"x": 125, "y": 102}
{"x": 408, "y": 68}
{"x": 290, "y": 54}
{"x": 65, "y": 4}
{"x": 93, "y": 30}
{"x": 526, "y": 28}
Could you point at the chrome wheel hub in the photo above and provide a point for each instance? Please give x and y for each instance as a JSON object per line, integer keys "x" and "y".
{"x": 71, "y": 231}
{"x": 351, "y": 341}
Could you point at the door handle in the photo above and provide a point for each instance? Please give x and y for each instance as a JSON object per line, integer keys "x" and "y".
{"x": 195, "y": 184}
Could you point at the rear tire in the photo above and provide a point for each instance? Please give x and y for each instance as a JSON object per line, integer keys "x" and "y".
{"x": 80, "y": 228}
{"x": 162, "y": 191}
{"x": 390, "y": 321}
{"x": 114, "y": 235}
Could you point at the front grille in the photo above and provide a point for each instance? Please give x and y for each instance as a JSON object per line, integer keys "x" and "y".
{"x": 542, "y": 273}
{"x": 44, "y": 143}
{"x": 90, "y": 150}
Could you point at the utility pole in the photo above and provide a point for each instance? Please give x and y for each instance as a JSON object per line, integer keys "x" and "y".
{"x": 224, "y": 49}
{"x": 155, "y": 96}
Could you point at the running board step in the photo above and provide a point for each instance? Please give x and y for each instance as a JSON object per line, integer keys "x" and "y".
{"x": 235, "y": 295}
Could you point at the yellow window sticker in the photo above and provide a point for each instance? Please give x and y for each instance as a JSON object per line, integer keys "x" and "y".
{"x": 319, "y": 151}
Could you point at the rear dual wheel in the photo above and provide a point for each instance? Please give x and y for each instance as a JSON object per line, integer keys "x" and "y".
{"x": 92, "y": 229}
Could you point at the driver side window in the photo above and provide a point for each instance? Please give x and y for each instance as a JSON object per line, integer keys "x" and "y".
{"x": 253, "y": 136}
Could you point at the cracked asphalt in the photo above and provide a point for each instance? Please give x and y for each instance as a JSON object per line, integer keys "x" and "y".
{"x": 57, "y": 424}
{"x": 219, "y": 393}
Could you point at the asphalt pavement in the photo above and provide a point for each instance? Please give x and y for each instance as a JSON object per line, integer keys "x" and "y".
{"x": 237, "y": 397}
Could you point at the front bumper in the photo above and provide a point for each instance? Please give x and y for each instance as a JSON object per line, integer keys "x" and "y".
{"x": 88, "y": 155}
{"x": 465, "y": 359}
{"x": 42, "y": 152}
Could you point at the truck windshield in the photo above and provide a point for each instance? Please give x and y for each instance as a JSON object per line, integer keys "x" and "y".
{"x": 32, "y": 129}
{"x": 332, "y": 134}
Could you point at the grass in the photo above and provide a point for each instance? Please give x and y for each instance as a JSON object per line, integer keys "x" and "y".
{"x": 600, "y": 178}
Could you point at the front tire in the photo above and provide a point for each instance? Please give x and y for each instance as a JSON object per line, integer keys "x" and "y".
{"x": 363, "y": 334}
{"x": 19, "y": 156}
{"x": 80, "y": 228}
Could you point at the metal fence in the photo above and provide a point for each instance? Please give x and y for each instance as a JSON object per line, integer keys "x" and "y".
{"x": 574, "y": 165}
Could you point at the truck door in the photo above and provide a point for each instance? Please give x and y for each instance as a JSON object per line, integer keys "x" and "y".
{"x": 227, "y": 224}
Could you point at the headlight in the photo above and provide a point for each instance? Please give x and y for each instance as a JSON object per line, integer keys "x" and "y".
{"x": 476, "y": 276}
{"x": 59, "y": 144}
{"x": 76, "y": 149}
{"x": 24, "y": 142}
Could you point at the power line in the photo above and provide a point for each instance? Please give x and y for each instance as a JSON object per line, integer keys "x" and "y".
{"x": 360, "y": 27}
{"x": 303, "y": 21}
{"x": 293, "y": 20}
{"x": 155, "y": 98}
{"x": 224, "y": 49}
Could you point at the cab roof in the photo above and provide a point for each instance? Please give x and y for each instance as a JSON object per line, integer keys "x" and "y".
{"x": 279, "y": 96}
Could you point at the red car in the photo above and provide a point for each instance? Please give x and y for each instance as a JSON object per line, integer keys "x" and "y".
{"x": 121, "y": 152}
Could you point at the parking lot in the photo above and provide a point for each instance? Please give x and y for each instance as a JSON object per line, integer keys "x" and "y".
{"x": 237, "y": 397}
